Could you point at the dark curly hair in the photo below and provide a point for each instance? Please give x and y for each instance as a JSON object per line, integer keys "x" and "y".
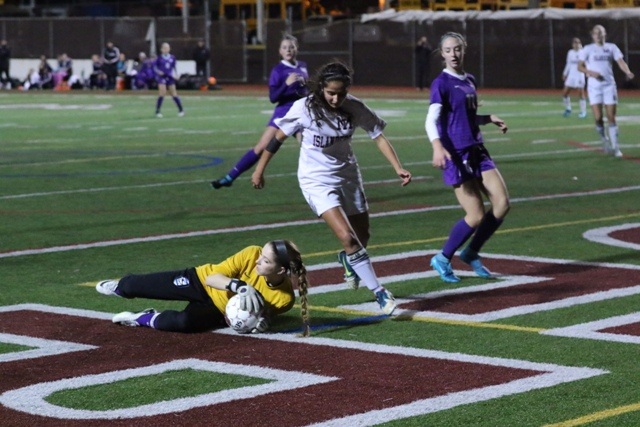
{"x": 316, "y": 103}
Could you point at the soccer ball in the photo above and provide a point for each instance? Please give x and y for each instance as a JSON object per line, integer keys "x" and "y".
{"x": 239, "y": 320}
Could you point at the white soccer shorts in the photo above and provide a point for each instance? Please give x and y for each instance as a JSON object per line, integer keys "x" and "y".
{"x": 321, "y": 197}
{"x": 606, "y": 94}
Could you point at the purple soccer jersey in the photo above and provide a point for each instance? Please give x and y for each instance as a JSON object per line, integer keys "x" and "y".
{"x": 164, "y": 68}
{"x": 459, "y": 131}
{"x": 457, "y": 125}
{"x": 281, "y": 94}
{"x": 145, "y": 74}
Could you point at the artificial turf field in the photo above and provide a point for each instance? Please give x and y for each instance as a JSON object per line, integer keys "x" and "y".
{"x": 94, "y": 186}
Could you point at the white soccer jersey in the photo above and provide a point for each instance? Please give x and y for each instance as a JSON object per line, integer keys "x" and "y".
{"x": 326, "y": 155}
{"x": 573, "y": 77}
{"x": 600, "y": 59}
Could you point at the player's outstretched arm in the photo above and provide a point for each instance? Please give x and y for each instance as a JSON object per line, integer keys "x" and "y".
{"x": 390, "y": 153}
{"x": 486, "y": 119}
{"x": 625, "y": 69}
{"x": 257, "y": 178}
{"x": 498, "y": 122}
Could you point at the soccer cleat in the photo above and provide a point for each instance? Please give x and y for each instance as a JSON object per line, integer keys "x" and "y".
{"x": 181, "y": 114}
{"x": 159, "y": 115}
{"x": 618, "y": 153}
{"x": 471, "y": 257}
{"x": 141, "y": 318}
{"x": 108, "y": 287}
{"x": 351, "y": 278}
{"x": 386, "y": 301}
{"x": 443, "y": 266}
{"x": 566, "y": 113}
{"x": 582, "y": 115}
{"x": 222, "y": 182}
{"x": 606, "y": 146}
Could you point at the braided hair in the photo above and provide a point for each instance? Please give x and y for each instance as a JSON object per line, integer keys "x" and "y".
{"x": 316, "y": 103}
{"x": 292, "y": 262}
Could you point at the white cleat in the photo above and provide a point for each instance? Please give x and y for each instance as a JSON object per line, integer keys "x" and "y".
{"x": 128, "y": 318}
{"x": 107, "y": 287}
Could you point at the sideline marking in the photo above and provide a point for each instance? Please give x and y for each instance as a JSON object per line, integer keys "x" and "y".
{"x": 591, "y": 330}
{"x": 42, "y": 347}
{"x": 32, "y": 399}
{"x": 500, "y": 231}
{"x": 601, "y": 235}
{"x": 201, "y": 233}
{"x": 597, "y": 416}
{"x": 427, "y": 319}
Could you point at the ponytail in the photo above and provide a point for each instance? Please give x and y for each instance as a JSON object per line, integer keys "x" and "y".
{"x": 298, "y": 269}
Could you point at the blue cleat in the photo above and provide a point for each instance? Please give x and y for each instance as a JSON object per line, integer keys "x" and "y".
{"x": 566, "y": 113}
{"x": 471, "y": 257}
{"x": 443, "y": 266}
{"x": 386, "y": 301}
{"x": 350, "y": 276}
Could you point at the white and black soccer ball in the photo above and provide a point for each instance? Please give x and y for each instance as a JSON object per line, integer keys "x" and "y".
{"x": 241, "y": 321}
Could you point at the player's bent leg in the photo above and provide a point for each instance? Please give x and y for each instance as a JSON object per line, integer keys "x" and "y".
{"x": 442, "y": 265}
{"x": 471, "y": 257}
{"x": 247, "y": 161}
{"x": 141, "y": 318}
{"x": 185, "y": 322}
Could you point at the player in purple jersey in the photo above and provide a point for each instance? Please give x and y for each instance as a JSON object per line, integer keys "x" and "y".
{"x": 165, "y": 70}
{"x": 452, "y": 126}
{"x": 286, "y": 85}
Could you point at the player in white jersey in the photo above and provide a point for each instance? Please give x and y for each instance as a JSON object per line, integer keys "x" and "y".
{"x": 573, "y": 79}
{"x": 328, "y": 171}
{"x": 596, "y": 61}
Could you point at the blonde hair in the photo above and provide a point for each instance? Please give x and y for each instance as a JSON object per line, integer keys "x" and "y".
{"x": 295, "y": 267}
{"x": 289, "y": 37}
{"x": 453, "y": 35}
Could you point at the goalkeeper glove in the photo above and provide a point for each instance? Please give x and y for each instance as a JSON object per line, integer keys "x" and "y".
{"x": 250, "y": 299}
{"x": 262, "y": 326}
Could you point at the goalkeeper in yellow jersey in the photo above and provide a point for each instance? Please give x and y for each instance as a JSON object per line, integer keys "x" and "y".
{"x": 262, "y": 276}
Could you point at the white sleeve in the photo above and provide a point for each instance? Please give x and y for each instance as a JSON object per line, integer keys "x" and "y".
{"x": 290, "y": 123}
{"x": 617, "y": 53}
{"x": 433, "y": 115}
{"x": 567, "y": 66}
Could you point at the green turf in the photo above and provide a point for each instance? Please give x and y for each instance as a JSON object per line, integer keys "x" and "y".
{"x": 150, "y": 389}
{"x": 82, "y": 168}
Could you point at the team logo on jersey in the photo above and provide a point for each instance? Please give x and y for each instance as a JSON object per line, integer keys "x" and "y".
{"x": 344, "y": 123}
{"x": 181, "y": 282}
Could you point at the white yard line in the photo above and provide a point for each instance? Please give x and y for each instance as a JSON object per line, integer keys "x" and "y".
{"x": 231, "y": 230}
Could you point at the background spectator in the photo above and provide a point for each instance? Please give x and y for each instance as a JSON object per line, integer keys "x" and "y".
{"x": 110, "y": 58}
{"x": 423, "y": 62}
{"x": 5, "y": 59}
{"x": 97, "y": 79}
{"x": 201, "y": 55}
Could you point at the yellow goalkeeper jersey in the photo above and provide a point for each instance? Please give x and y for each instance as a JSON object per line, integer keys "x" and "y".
{"x": 242, "y": 266}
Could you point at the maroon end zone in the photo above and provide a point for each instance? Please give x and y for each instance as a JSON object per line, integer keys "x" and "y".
{"x": 367, "y": 380}
{"x": 558, "y": 281}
